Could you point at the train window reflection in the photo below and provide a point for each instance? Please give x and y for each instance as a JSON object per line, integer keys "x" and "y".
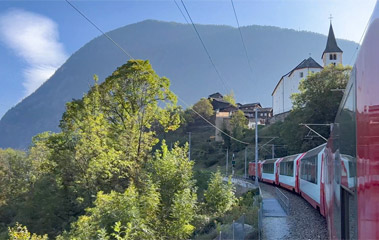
{"x": 308, "y": 171}
{"x": 268, "y": 168}
{"x": 286, "y": 168}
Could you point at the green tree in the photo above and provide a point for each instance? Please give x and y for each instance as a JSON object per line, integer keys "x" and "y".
{"x": 238, "y": 123}
{"x": 135, "y": 98}
{"x": 204, "y": 108}
{"x": 230, "y": 98}
{"x": 108, "y": 136}
{"x": 106, "y": 142}
{"x": 316, "y": 103}
{"x": 219, "y": 196}
{"x": 131, "y": 214}
{"x": 19, "y": 232}
{"x": 14, "y": 175}
{"x": 173, "y": 173}
{"x": 316, "y": 96}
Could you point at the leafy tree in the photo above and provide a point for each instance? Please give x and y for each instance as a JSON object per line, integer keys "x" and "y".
{"x": 14, "y": 175}
{"x": 219, "y": 196}
{"x": 203, "y": 107}
{"x": 173, "y": 173}
{"x": 230, "y": 98}
{"x": 316, "y": 97}
{"x": 316, "y": 103}
{"x": 163, "y": 210}
{"x": 109, "y": 134}
{"x": 131, "y": 214}
{"x": 238, "y": 123}
{"x": 19, "y": 232}
{"x": 106, "y": 142}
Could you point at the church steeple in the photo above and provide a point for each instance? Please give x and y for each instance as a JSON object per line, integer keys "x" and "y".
{"x": 332, "y": 53}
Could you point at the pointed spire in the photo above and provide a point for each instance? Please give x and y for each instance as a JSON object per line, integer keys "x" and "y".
{"x": 331, "y": 44}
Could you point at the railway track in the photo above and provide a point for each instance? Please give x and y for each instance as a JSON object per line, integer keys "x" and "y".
{"x": 303, "y": 221}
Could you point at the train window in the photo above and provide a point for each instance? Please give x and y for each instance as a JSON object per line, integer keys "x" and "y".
{"x": 345, "y": 203}
{"x": 268, "y": 168}
{"x": 347, "y": 128}
{"x": 308, "y": 171}
{"x": 286, "y": 168}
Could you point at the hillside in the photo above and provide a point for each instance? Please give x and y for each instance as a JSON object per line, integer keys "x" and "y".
{"x": 175, "y": 52}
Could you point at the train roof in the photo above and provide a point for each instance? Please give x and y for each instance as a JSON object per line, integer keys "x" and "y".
{"x": 315, "y": 151}
{"x": 270, "y": 160}
{"x": 290, "y": 158}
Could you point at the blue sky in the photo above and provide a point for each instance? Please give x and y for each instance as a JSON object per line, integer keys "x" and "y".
{"x": 36, "y": 37}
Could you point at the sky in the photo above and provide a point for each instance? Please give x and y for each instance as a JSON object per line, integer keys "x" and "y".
{"x": 37, "y": 37}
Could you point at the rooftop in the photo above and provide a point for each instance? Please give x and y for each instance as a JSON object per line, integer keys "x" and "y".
{"x": 331, "y": 44}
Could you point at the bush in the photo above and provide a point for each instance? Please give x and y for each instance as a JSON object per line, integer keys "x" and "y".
{"x": 219, "y": 196}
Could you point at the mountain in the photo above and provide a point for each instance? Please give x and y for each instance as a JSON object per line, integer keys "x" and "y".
{"x": 175, "y": 52}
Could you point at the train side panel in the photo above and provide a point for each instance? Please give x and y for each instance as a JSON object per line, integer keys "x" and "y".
{"x": 269, "y": 170}
{"x": 310, "y": 177}
{"x": 288, "y": 171}
{"x": 367, "y": 79}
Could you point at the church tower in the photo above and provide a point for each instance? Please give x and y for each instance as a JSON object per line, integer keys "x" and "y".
{"x": 332, "y": 53}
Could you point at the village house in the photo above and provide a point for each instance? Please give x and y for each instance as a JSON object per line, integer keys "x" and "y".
{"x": 224, "y": 111}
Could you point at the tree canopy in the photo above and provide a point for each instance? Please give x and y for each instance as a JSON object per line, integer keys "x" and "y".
{"x": 204, "y": 108}
{"x": 317, "y": 103}
{"x": 230, "y": 98}
{"x": 106, "y": 175}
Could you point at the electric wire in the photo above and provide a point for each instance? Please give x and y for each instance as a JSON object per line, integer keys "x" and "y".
{"x": 93, "y": 24}
{"x": 81, "y": 13}
{"x": 205, "y": 48}
{"x": 243, "y": 41}
{"x": 231, "y": 137}
{"x": 177, "y": 5}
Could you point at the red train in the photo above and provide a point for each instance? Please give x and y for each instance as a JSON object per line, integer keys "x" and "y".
{"x": 341, "y": 177}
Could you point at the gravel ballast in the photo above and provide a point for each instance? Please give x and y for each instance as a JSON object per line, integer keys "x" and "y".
{"x": 304, "y": 221}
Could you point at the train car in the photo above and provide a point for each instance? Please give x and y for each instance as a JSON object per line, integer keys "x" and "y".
{"x": 288, "y": 172}
{"x": 310, "y": 177}
{"x": 352, "y": 154}
{"x": 269, "y": 170}
{"x": 252, "y": 170}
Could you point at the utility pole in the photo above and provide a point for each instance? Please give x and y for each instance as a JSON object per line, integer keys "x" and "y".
{"x": 273, "y": 151}
{"x": 233, "y": 164}
{"x": 227, "y": 160}
{"x": 189, "y": 145}
{"x": 245, "y": 162}
{"x": 256, "y": 146}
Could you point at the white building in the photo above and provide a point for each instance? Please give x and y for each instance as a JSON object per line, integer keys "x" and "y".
{"x": 289, "y": 83}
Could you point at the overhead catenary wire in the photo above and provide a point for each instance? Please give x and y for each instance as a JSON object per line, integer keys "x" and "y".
{"x": 242, "y": 39}
{"x": 206, "y": 120}
{"x": 93, "y": 24}
{"x": 205, "y": 48}
{"x": 177, "y": 5}
{"x": 129, "y": 55}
